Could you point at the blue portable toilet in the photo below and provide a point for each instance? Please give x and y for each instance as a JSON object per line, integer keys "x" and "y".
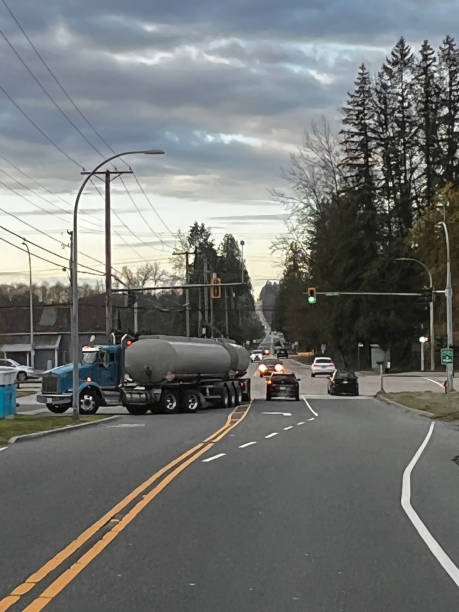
{"x": 7, "y": 391}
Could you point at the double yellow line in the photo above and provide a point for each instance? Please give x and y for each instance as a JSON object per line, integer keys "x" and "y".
{"x": 114, "y": 521}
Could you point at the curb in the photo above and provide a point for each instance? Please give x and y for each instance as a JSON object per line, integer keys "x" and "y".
{"x": 65, "y": 429}
{"x": 425, "y": 413}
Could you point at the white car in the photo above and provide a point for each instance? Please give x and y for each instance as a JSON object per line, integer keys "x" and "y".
{"x": 23, "y": 372}
{"x": 256, "y": 356}
{"x": 322, "y": 365}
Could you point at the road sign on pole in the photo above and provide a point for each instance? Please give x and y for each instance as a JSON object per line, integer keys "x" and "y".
{"x": 446, "y": 355}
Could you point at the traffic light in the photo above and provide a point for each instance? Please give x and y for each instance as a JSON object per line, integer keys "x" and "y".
{"x": 426, "y": 296}
{"x": 216, "y": 288}
{"x": 312, "y": 295}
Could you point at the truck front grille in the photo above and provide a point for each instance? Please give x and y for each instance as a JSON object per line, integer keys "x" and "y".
{"x": 49, "y": 384}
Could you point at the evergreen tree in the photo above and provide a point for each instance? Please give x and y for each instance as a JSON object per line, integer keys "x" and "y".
{"x": 449, "y": 108}
{"x": 427, "y": 97}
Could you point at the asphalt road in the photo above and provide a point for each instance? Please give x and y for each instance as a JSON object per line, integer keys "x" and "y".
{"x": 293, "y": 511}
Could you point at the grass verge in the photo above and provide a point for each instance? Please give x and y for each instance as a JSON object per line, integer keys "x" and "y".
{"x": 443, "y": 406}
{"x": 25, "y": 424}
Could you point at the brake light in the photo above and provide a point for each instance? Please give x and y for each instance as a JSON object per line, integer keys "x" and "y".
{"x": 128, "y": 342}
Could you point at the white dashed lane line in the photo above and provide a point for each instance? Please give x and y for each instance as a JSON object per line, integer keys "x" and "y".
{"x": 300, "y": 423}
{"x": 213, "y": 457}
{"x": 289, "y": 427}
{"x": 271, "y": 435}
{"x": 312, "y": 419}
{"x": 246, "y": 444}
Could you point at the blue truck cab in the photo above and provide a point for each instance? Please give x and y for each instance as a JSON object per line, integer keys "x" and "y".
{"x": 100, "y": 372}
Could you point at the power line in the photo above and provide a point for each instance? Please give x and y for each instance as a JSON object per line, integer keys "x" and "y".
{"x": 38, "y": 128}
{"x": 53, "y": 263}
{"x": 73, "y": 103}
{"x": 38, "y": 246}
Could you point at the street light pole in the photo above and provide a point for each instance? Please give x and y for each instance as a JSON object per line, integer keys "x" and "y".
{"x": 242, "y": 260}
{"x": 32, "y": 350}
{"x": 449, "y": 306}
{"x": 74, "y": 326}
{"x": 431, "y": 309}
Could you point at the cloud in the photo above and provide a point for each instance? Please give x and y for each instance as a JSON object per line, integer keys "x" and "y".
{"x": 252, "y": 219}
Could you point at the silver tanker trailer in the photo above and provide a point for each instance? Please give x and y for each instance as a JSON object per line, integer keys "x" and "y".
{"x": 173, "y": 373}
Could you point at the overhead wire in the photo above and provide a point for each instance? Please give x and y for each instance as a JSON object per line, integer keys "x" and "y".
{"x": 38, "y": 246}
{"x": 77, "y": 108}
{"x": 58, "y": 265}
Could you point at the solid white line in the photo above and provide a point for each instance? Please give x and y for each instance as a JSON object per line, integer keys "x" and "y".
{"x": 271, "y": 435}
{"x": 300, "y": 423}
{"x": 434, "y": 381}
{"x": 247, "y": 444}
{"x": 289, "y": 427}
{"x": 213, "y": 457}
{"x": 309, "y": 406}
{"x": 447, "y": 564}
{"x": 3, "y": 448}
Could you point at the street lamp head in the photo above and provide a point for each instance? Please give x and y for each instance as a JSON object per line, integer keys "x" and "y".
{"x": 152, "y": 152}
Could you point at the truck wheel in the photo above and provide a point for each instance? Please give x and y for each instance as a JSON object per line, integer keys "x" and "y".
{"x": 57, "y": 408}
{"x": 224, "y": 401}
{"x": 89, "y": 401}
{"x": 191, "y": 400}
{"x": 169, "y": 401}
{"x": 246, "y": 392}
{"x": 137, "y": 409}
{"x": 238, "y": 390}
{"x": 232, "y": 396}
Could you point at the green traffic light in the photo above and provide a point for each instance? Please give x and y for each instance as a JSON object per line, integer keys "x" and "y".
{"x": 312, "y": 299}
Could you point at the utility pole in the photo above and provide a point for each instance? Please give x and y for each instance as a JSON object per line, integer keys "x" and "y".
{"x": 32, "y": 350}
{"x": 449, "y": 307}
{"x": 187, "y": 291}
{"x": 226, "y": 313}
{"x": 108, "y": 244}
{"x": 206, "y": 293}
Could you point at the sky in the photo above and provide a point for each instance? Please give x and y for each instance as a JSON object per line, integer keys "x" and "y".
{"x": 226, "y": 89}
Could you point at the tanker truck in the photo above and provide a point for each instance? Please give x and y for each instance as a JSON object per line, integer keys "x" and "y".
{"x": 158, "y": 373}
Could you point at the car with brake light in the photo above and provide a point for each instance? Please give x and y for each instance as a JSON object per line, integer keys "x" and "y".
{"x": 322, "y": 365}
{"x": 343, "y": 382}
{"x": 282, "y": 352}
{"x": 270, "y": 365}
{"x": 283, "y": 386}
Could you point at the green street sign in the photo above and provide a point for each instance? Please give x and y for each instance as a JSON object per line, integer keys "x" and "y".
{"x": 446, "y": 355}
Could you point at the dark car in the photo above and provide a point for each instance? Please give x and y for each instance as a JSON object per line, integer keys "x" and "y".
{"x": 343, "y": 382}
{"x": 269, "y": 365}
{"x": 283, "y": 386}
{"x": 282, "y": 352}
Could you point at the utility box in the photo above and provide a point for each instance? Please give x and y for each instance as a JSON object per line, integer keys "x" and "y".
{"x": 7, "y": 391}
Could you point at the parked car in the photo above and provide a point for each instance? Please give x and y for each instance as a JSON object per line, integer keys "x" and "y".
{"x": 322, "y": 365}
{"x": 256, "y": 355}
{"x": 343, "y": 382}
{"x": 283, "y": 386}
{"x": 282, "y": 352}
{"x": 270, "y": 365}
{"x": 23, "y": 372}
